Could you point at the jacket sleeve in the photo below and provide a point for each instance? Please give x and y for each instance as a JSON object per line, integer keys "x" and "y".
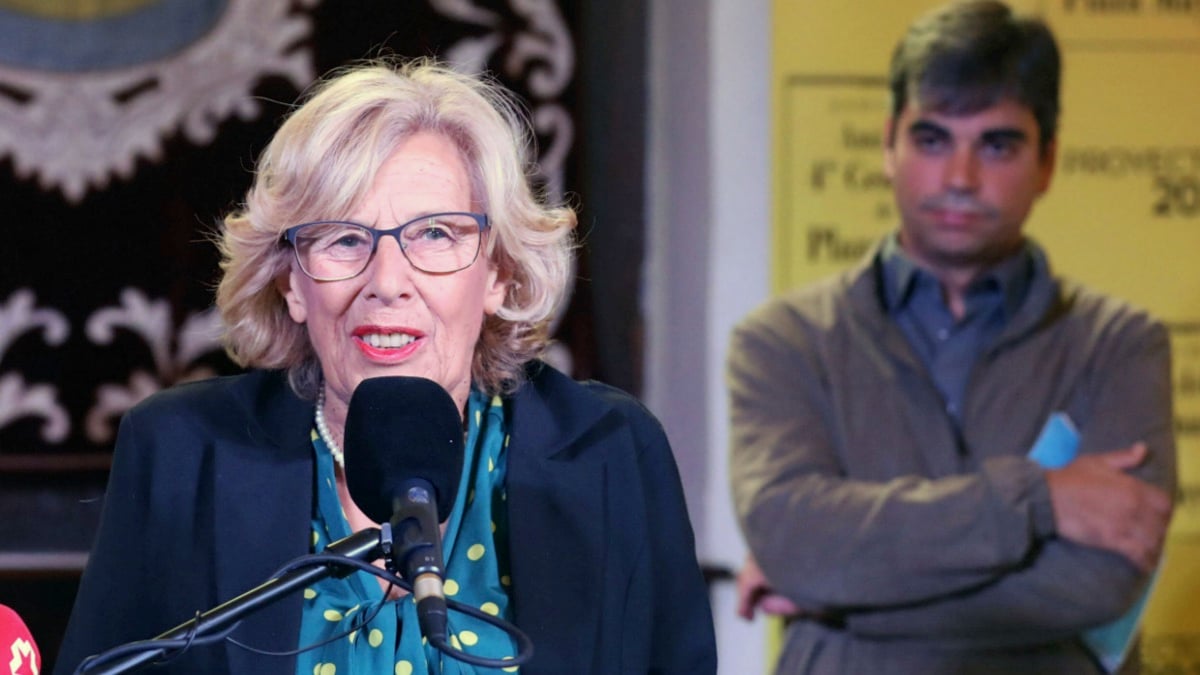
{"x": 909, "y": 555}
{"x": 832, "y": 542}
{"x": 122, "y": 570}
{"x": 683, "y": 641}
{"x": 1066, "y": 588}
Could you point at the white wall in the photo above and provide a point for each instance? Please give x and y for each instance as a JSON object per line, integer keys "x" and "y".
{"x": 708, "y": 257}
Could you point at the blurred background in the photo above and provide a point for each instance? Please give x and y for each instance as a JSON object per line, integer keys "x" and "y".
{"x": 717, "y": 151}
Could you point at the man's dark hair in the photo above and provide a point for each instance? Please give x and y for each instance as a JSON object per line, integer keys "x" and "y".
{"x": 966, "y": 56}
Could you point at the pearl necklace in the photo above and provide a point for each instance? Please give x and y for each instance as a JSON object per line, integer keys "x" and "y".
{"x": 323, "y": 429}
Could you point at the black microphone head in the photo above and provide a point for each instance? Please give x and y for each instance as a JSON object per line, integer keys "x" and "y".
{"x": 397, "y": 429}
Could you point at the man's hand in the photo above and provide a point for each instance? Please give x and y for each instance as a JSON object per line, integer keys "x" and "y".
{"x": 755, "y": 592}
{"x": 1097, "y": 504}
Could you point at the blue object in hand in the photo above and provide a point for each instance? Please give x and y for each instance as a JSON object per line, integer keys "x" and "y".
{"x": 1056, "y": 447}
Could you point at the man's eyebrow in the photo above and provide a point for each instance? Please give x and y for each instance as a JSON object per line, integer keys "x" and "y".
{"x": 1004, "y": 134}
{"x": 927, "y": 127}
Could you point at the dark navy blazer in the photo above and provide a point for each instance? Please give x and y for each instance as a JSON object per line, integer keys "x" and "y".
{"x": 211, "y": 491}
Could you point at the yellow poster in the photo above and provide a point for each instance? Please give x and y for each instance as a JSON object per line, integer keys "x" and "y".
{"x": 1123, "y": 214}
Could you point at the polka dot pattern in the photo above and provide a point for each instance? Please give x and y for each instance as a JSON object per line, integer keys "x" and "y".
{"x": 369, "y": 633}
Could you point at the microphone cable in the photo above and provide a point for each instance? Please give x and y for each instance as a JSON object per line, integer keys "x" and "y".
{"x": 524, "y": 644}
{"x": 175, "y": 647}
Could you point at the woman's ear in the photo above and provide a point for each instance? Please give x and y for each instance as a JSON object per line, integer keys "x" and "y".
{"x": 496, "y": 291}
{"x": 286, "y": 284}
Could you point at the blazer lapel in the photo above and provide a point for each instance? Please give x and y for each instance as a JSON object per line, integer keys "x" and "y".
{"x": 556, "y": 503}
{"x": 557, "y": 492}
{"x": 263, "y": 515}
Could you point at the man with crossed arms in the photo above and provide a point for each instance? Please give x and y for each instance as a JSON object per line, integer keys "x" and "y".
{"x": 882, "y": 419}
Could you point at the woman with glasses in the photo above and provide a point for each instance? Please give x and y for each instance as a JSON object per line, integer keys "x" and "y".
{"x": 391, "y": 230}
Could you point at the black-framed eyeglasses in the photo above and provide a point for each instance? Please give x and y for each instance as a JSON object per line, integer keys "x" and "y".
{"x": 439, "y": 243}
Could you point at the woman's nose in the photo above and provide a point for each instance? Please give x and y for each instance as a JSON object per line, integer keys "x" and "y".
{"x": 390, "y": 273}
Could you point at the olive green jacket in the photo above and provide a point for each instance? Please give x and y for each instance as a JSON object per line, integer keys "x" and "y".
{"x": 913, "y": 547}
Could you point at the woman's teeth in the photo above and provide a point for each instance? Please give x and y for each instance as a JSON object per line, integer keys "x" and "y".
{"x": 387, "y": 340}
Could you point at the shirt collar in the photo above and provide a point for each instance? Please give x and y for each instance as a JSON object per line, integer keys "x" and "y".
{"x": 1012, "y": 276}
{"x": 899, "y": 273}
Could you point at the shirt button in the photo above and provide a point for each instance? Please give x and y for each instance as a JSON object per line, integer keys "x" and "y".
{"x": 943, "y": 334}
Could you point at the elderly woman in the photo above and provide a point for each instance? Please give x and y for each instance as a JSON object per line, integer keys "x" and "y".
{"x": 391, "y": 230}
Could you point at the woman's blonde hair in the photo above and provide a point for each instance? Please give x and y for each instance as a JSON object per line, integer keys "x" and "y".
{"x": 322, "y": 162}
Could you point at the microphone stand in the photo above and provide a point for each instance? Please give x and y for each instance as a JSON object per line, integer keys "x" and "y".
{"x": 364, "y": 545}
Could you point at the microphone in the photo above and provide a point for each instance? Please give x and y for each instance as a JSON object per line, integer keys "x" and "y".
{"x": 17, "y": 648}
{"x": 404, "y": 458}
